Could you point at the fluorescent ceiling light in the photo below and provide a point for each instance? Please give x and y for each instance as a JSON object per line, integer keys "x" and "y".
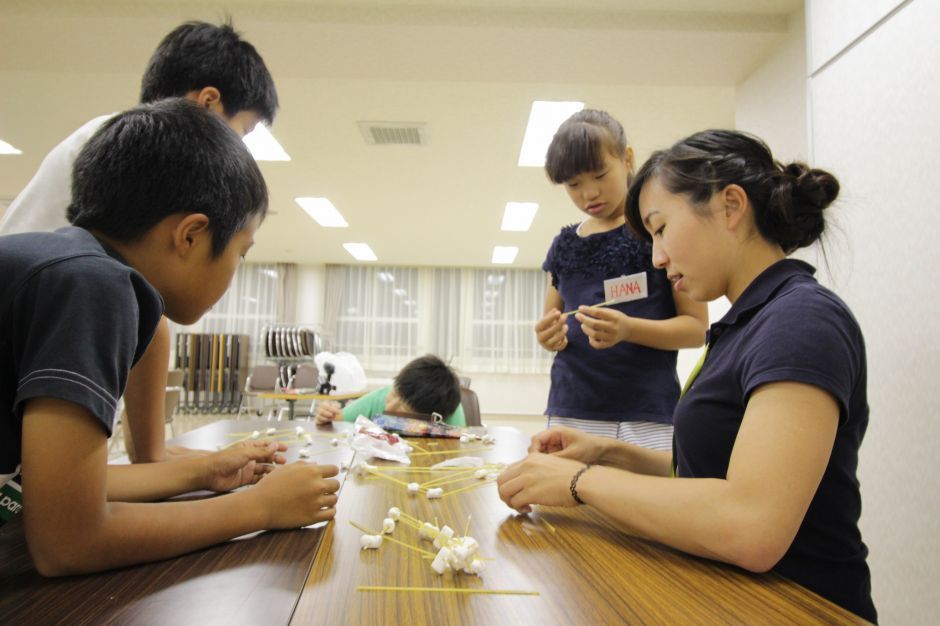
{"x": 544, "y": 119}
{"x": 360, "y": 251}
{"x": 263, "y": 146}
{"x": 386, "y": 277}
{"x": 518, "y": 215}
{"x": 400, "y": 292}
{"x": 6, "y": 148}
{"x": 323, "y": 211}
{"x": 505, "y": 254}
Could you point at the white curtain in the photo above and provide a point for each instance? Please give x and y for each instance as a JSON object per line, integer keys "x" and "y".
{"x": 251, "y": 303}
{"x": 479, "y": 320}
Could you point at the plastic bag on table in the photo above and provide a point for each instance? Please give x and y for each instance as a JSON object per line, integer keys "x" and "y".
{"x": 373, "y": 441}
{"x": 348, "y": 375}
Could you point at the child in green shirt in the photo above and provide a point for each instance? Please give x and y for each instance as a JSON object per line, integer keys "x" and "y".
{"x": 425, "y": 385}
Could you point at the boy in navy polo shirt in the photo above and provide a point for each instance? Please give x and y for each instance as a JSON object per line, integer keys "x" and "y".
{"x": 166, "y": 201}
{"x": 215, "y": 68}
{"x": 767, "y": 435}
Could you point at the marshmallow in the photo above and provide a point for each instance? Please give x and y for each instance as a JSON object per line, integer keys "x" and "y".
{"x": 428, "y": 531}
{"x": 413, "y": 488}
{"x": 475, "y": 566}
{"x": 370, "y": 542}
{"x": 304, "y": 454}
{"x": 394, "y": 513}
{"x": 464, "y": 439}
{"x": 445, "y": 535}
{"x": 441, "y": 561}
{"x": 388, "y": 525}
{"x": 270, "y": 431}
{"x": 255, "y": 434}
{"x": 481, "y": 473}
{"x": 434, "y": 492}
{"x": 299, "y": 431}
{"x": 334, "y": 442}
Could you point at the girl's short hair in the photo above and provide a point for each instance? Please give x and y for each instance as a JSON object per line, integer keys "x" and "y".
{"x": 788, "y": 200}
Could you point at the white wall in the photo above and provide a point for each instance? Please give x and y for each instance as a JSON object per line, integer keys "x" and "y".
{"x": 771, "y": 102}
{"x": 874, "y": 103}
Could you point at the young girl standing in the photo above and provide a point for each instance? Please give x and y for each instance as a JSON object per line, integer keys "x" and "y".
{"x": 768, "y": 433}
{"x": 614, "y": 372}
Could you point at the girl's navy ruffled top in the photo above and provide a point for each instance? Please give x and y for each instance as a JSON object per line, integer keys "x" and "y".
{"x": 627, "y": 382}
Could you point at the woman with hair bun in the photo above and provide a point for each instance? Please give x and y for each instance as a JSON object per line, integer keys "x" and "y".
{"x": 767, "y": 432}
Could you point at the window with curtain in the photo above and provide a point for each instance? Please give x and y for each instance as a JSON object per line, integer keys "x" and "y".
{"x": 479, "y": 320}
{"x": 253, "y": 301}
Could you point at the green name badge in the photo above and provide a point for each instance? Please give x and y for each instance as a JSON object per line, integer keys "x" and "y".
{"x": 11, "y": 500}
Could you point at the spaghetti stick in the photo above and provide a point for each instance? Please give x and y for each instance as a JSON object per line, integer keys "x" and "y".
{"x": 416, "y": 446}
{"x": 427, "y": 470}
{"x": 394, "y": 480}
{"x": 573, "y": 311}
{"x": 446, "y": 480}
{"x": 474, "y": 485}
{"x": 466, "y": 530}
{"x": 393, "y": 540}
{"x": 236, "y": 442}
{"x": 457, "y": 451}
{"x": 515, "y": 592}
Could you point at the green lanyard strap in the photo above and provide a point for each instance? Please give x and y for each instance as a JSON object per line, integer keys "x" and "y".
{"x": 685, "y": 388}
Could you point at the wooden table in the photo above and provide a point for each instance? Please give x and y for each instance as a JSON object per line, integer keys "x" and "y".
{"x": 292, "y": 397}
{"x": 584, "y": 570}
{"x": 250, "y": 581}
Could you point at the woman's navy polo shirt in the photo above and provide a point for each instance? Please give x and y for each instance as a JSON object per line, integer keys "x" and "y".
{"x": 787, "y": 327}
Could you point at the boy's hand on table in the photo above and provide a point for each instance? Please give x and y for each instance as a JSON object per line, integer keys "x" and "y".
{"x": 552, "y": 332}
{"x": 242, "y": 464}
{"x": 299, "y": 494}
{"x": 328, "y": 412}
{"x": 176, "y": 453}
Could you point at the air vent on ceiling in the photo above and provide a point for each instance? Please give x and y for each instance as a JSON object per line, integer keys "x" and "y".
{"x": 394, "y": 133}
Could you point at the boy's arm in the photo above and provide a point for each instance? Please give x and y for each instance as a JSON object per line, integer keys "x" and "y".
{"x": 71, "y": 528}
{"x": 368, "y": 405}
{"x": 606, "y": 327}
{"x": 144, "y": 399}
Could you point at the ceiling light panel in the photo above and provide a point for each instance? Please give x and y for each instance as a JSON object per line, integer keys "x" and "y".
{"x": 544, "y": 119}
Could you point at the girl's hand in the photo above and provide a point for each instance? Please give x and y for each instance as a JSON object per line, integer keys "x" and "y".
{"x": 243, "y": 464}
{"x": 328, "y": 412}
{"x": 568, "y": 443}
{"x": 298, "y": 494}
{"x": 538, "y": 479}
{"x": 552, "y": 332}
{"x": 603, "y": 326}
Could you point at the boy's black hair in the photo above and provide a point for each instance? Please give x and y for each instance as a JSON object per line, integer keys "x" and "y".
{"x": 159, "y": 159}
{"x": 197, "y": 55}
{"x": 428, "y": 385}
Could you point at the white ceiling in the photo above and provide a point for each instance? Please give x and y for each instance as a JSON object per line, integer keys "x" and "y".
{"x": 469, "y": 70}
